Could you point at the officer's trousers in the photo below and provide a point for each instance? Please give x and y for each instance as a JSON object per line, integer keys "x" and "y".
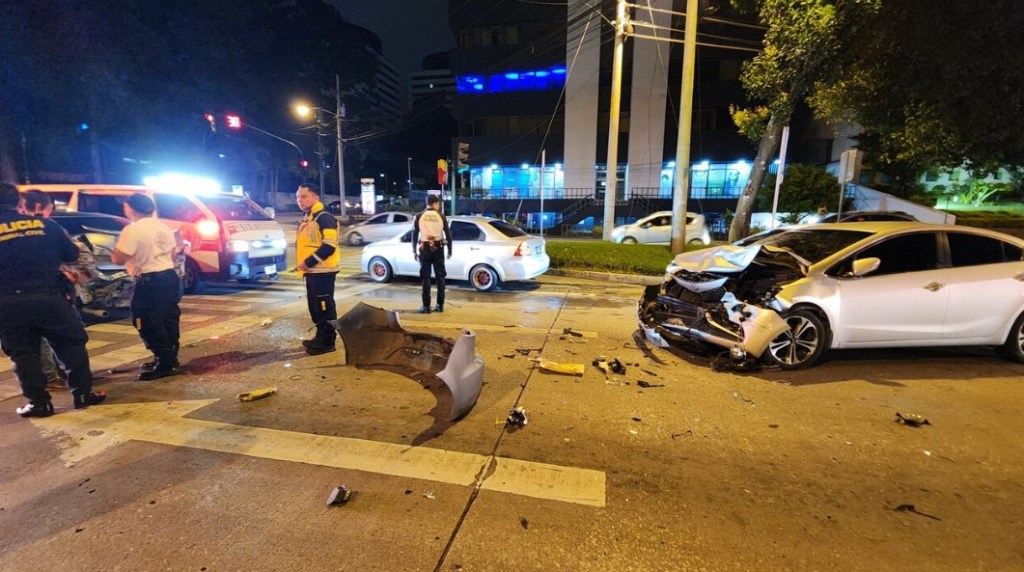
{"x": 432, "y": 257}
{"x": 320, "y": 299}
{"x": 27, "y": 318}
{"x": 156, "y": 315}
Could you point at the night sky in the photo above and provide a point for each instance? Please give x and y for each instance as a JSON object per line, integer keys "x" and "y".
{"x": 409, "y": 29}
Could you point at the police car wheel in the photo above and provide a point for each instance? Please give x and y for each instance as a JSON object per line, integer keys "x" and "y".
{"x": 380, "y": 270}
{"x": 483, "y": 278}
{"x": 192, "y": 282}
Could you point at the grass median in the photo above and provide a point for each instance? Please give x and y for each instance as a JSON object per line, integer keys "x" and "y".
{"x": 601, "y": 256}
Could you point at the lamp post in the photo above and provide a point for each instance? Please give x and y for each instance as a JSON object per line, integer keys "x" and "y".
{"x": 305, "y": 111}
{"x": 385, "y": 177}
{"x": 408, "y": 166}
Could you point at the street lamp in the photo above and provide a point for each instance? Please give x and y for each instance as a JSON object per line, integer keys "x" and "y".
{"x": 408, "y": 166}
{"x": 385, "y": 177}
{"x": 339, "y": 113}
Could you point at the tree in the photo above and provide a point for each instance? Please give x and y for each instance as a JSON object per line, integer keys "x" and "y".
{"x": 802, "y": 50}
{"x": 934, "y": 84}
{"x": 804, "y": 189}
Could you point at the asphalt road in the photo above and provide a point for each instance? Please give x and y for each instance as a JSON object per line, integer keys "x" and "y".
{"x": 700, "y": 470}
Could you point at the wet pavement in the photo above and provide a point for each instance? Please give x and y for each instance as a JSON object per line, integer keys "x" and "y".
{"x": 696, "y": 471}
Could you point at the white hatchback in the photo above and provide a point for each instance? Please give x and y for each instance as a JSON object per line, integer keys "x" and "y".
{"x": 485, "y": 251}
{"x": 378, "y": 227}
{"x": 657, "y": 229}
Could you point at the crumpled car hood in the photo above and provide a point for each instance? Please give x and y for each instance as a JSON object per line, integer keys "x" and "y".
{"x": 729, "y": 258}
{"x": 373, "y": 338}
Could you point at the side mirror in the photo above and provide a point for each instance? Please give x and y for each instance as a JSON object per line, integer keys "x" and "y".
{"x": 865, "y": 266}
{"x": 645, "y": 225}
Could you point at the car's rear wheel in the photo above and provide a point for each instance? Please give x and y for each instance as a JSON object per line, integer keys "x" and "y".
{"x": 355, "y": 239}
{"x": 803, "y": 344}
{"x": 380, "y": 270}
{"x": 1013, "y": 348}
{"x": 483, "y": 278}
{"x": 192, "y": 281}
{"x": 629, "y": 240}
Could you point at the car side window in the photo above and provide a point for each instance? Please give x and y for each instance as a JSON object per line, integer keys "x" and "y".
{"x": 108, "y": 204}
{"x": 379, "y": 219}
{"x": 401, "y": 218}
{"x": 176, "y": 207}
{"x": 906, "y": 253}
{"x": 407, "y": 237}
{"x": 466, "y": 231}
{"x": 967, "y": 249}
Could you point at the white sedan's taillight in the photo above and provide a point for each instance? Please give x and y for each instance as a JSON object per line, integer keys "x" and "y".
{"x": 524, "y": 249}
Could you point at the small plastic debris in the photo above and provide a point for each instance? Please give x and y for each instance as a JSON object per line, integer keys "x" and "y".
{"x": 288, "y": 364}
{"x": 617, "y": 367}
{"x": 601, "y": 364}
{"x": 429, "y": 495}
{"x": 339, "y": 495}
{"x": 647, "y": 384}
{"x": 649, "y": 372}
{"x": 555, "y": 367}
{"x": 214, "y": 337}
{"x": 913, "y": 509}
{"x": 572, "y": 332}
{"x": 635, "y": 418}
{"x": 120, "y": 369}
{"x": 526, "y": 351}
{"x": 911, "y": 419}
{"x": 266, "y": 323}
{"x": 523, "y": 522}
{"x": 741, "y": 398}
{"x": 517, "y": 417}
{"x": 509, "y": 355}
{"x": 257, "y": 394}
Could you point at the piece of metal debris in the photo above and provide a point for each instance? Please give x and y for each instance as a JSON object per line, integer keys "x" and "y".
{"x": 429, "y": 495}
{"x": 523, "y": 522}
{"x": 555, "y": 367}
{"x": 913, "y": 509}
{"x": 911, "y": 419}
{"x": 517, "y": 417}
{"x": 601, "y": 364}
{"x": 339, "y": 495}
{"x": 572, "y": 332}
{"x": 617, "y": 367}
{"x": 526, "y": 351}
{"x": 647, "y": 384}
{"x": 257, "y": 394}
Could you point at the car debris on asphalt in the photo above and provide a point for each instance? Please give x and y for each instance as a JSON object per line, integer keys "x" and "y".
{"x": 257, "y": 394}
{"x": 556, "y": 367}
{"x": 911, "y": 419}
{"x": 517, "y": 417}
{"x": 340, "y": 495}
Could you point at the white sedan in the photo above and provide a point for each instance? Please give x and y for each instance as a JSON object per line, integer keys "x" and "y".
{"x": 485, "y": 251}
{"x": 795, "y": 294}
{"x": 657, "y": 229}
{"x": 377, "y": 227}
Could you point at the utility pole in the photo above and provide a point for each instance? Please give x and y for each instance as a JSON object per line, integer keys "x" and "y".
{"x": 612, "y": 174}
{"x": 341, "y": 154}
{"x": 24, "y": 156}
{"x": 408, "y": 166}
{"x": 682, "y": 180}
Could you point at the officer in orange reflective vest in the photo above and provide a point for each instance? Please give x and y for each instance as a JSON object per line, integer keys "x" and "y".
{"x": 316, "y": 246}
{"x": 33, "y": 306}
{"x": 430, "y": 236}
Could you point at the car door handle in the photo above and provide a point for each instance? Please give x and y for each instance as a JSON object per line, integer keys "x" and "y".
{"x": 934, "y": 286}
{"x": 473, "y": 248}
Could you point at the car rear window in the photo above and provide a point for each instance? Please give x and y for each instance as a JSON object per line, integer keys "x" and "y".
{"x": 79, "y": 224}
{"x": 230, "y": 207}
{"x": 506, "y": 228}
{"x": 972, "y": 250}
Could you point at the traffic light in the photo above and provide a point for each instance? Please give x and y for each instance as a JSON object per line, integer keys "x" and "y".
{"x": 233, "y": 121}
{"x": 304, "y": 164}
{"x": 212, "y": 121}
{"x": 461, "y": 157}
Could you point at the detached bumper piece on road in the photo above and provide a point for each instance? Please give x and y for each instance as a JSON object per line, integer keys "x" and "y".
{"x": 374, "y": 339}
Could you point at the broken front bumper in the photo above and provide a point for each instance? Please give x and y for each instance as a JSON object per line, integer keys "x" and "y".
{"x": 374, "y": 339}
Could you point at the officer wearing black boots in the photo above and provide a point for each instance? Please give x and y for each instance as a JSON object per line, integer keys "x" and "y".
{"x": 32, "y": 306}
{"x": 430, "y": 236}
{"x": 319, "y": 260}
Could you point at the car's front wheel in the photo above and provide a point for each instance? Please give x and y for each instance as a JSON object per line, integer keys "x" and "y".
{"x": 1013, "y": 348}
{"x": 629, "y": 240}
{"x": 803, "y": 344}
{"x": 380, "y": 270}
{"x": 483, "y": 278}
{"x": 192, "y": 281}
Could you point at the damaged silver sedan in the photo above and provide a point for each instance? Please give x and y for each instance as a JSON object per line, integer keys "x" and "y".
{"x": 794, "y": 294}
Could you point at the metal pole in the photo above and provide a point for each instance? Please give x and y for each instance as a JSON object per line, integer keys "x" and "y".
{"x": 408, "y": 166}
{"x": 451, "y": 187}
{"x": 682, "y": 181}
{"x": 611, "y": 176}
{"x": 543, "y": 158}
{"x": 24, "y": 156}
{"x": 779, "y": 175}
{"x": 341, "y": 154}
{"x": 320, "y": 151}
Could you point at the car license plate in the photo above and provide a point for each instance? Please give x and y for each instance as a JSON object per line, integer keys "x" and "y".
{"x": 537, "y": 249}
{"x": 271, "y": 269}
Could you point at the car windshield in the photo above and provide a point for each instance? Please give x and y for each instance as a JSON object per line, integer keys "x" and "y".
{"x": 230, "y": 207}
{"x": 506, "y": 228}
{"x": 817, "y": 244}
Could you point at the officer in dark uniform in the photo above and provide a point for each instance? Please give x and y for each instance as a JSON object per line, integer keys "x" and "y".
{"x": 430, "y": 236}
{"x": 32, "y": 306}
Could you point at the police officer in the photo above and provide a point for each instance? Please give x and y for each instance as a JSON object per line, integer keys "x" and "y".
{"x": 149, "y": 248}
{"x": 316, "y": 246}
{"x": 32, "y": 306}
{"x": 430, "y": 236}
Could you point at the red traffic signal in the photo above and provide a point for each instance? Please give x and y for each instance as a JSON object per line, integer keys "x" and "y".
{"x": 304, "y": 164}
{"x": 212, "y": 121}
{"x": 233, "y": 121}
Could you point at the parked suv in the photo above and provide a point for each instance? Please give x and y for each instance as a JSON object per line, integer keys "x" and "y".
{"x": 231, "y": 237}
{"x": 657, "y": 229}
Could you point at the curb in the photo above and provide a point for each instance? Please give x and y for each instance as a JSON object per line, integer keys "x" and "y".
{"x": 637, "y": 279}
